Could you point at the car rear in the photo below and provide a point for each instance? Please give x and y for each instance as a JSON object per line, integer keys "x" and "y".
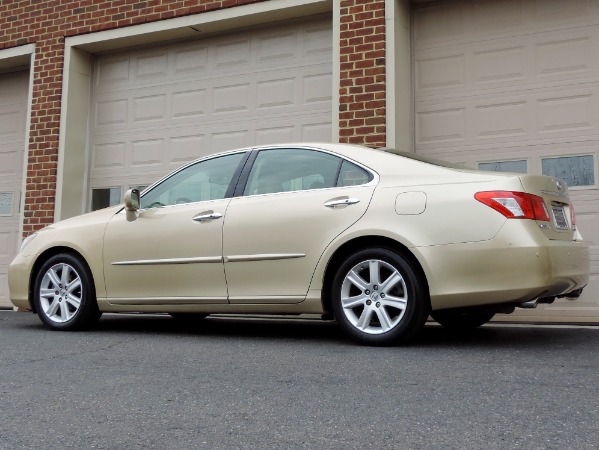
{"x": 488, "y": 238}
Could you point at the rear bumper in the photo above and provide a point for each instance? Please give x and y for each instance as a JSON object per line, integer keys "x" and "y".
{"x": 517, "y": 265}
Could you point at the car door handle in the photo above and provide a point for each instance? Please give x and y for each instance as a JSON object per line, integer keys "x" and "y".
{"x": 334, "y": 203}
{"x": 206, "y": 216}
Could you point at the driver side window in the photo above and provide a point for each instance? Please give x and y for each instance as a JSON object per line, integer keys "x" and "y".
{"x": 205, "y": 180}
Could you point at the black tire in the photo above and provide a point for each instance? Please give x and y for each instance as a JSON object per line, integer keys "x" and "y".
{"x": 64, "y": 294}
{"x": 375, "y": 315}
{"x": 461, "y": 319}
{"x": 188, "y": 318}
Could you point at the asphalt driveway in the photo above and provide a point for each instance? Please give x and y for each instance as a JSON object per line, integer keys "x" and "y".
{"x": 147, "y": 382}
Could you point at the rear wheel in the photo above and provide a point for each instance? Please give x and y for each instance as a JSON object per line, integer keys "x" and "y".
{"x": 64, "y": 294}
{"x": 462, "y": 319}
{"x": 377, "y": 297}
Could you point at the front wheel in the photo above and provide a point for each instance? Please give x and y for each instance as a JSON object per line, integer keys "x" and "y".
{"x": 377, "y": 297}
{"x": 64, "y": 294}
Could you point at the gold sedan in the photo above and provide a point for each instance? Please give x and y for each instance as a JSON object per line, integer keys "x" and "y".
{"x": 379, "y": 240}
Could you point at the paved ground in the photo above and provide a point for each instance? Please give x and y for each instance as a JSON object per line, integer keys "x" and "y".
{"x": 146, "y": 382}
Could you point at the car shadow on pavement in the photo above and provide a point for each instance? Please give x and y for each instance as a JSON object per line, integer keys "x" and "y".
{"x": 491, "y": 335}
{"x": 259, "y": 328}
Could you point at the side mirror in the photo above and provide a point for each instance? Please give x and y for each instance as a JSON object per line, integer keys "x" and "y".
{"x": 131, "y": 204}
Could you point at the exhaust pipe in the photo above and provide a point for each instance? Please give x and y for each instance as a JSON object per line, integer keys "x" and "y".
{"x": 572, "y": 295}
{"x": 530, "y": 304}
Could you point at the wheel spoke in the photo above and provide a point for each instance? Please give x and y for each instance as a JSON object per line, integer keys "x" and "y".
{"x": 365, "y": 318}
{"x": 374, "y": 269}
{"x": 73, "y": 285}
{"x": 352, "y": 302}
{"x": 47, "y": 293}
{"x": 390, "y": 282}
{"x": 52, "y": 308}
{"x": 354, "y": 278}
{"x": 64, "y": 312}
{"x": 53, "y": 276}
{"x": 70, "y": 298}
{"x": 384, "y": 319}
{"x": 395, "y": 302}
{"x": 66, "y": 272}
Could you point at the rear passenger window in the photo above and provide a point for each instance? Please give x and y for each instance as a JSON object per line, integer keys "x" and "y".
{"x": 292, "y": 170}
{"x": 352, "y": 175}
{"x": 286, "y": 170}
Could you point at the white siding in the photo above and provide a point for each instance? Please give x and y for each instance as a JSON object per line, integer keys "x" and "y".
{"x": 514, "y": 80}
{"x": 13, "y": 111}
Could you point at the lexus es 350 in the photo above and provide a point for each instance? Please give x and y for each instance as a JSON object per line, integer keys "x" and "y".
{"x": 377, "y": 240}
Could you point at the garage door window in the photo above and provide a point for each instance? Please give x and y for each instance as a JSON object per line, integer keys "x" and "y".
{"x": 105, "y": 197}
{"x": 518, "y": 166}
{"x": 575, "y": 170}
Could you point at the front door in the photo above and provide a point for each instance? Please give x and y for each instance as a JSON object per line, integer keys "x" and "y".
{"x": 172, "y": 252}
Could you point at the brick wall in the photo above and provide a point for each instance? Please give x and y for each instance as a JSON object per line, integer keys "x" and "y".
{"x": 47, "y": 24}
{"x": 362, "y": 92}
{"x": 362, "y": 113}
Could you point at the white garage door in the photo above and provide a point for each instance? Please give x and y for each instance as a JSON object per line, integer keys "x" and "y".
{"x": 514, "y": 85}
{"x": 13, "y": 112}
{"x": 157, "y": 108}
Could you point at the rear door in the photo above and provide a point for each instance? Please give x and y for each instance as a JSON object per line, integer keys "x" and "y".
{"x": 295, "y": 202}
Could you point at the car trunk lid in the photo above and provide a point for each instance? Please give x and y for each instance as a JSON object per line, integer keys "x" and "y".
{"x": 557, "y": 201}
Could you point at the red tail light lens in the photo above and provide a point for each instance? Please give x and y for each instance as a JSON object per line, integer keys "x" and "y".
{"x": 515, "y": 205}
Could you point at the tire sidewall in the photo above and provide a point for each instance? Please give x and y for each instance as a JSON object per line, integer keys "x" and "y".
{"x": 416, "y": 309}
{"x": 88, "y": 309}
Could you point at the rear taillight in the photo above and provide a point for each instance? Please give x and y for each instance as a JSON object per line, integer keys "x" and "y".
{"x": 515, "y": 205}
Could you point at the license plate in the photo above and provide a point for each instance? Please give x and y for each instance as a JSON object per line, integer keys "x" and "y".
{"x": 560, "y": 217}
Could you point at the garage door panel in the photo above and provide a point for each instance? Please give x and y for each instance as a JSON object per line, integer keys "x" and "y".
{"x": 10, "y": 161}
{"x": 11, "y": 122}
{"x": 166, "y": 149}
{"x": 523, "y": 95}
{"x": 157, "y": 108}
{"x": 13, "y": 107}
{"x": 534, "y": 116}
{"x": 449, "y": 22}
{"x": 273, "y": 95}
{"x": 514, "y": 62}
{"x": 280, "y": 49}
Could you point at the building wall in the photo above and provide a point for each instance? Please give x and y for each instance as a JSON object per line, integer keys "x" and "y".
{"x": 47, "y": 25}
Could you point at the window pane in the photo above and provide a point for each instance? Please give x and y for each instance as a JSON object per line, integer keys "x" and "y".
{"x": 352, "y": 175}
{"x": 6, "y": 203}
{"x": 574, "y": 170}
{"x": 291, "y": 170}
{"x": 105, "y": 197}
{"x": 519, "y": 166}
{"x": 206, "y": 180}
